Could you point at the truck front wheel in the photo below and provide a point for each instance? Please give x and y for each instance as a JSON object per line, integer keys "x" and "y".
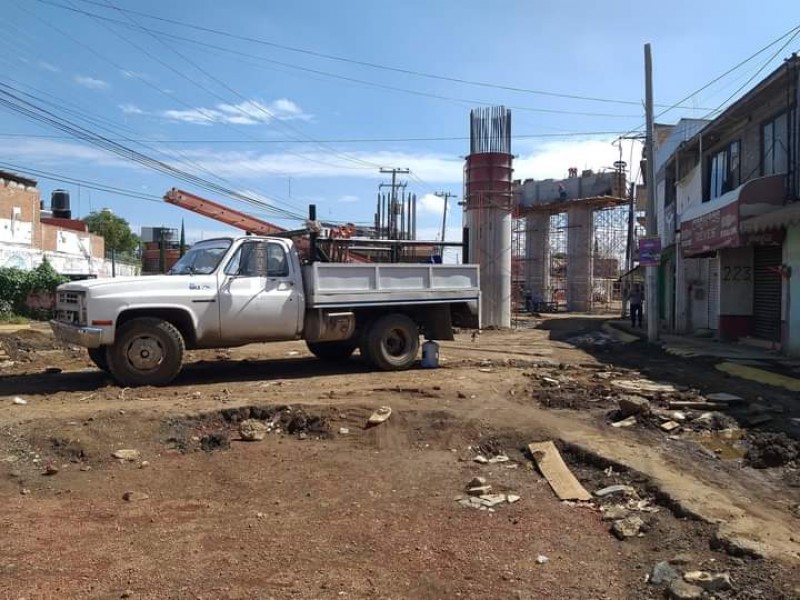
{"x": 391, "y": 343}
{"x": 333, "y": 351}
{"x": 146, "y": 351}
{"x": 99, "y": 358}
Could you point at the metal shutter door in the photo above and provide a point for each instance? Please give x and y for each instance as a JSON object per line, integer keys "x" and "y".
{"x": 767, "y": 293}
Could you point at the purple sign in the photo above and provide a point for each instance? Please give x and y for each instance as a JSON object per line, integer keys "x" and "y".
{"x": 649, "y": 252}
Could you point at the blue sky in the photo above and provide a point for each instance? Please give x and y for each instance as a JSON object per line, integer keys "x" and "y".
{"x": 269, "y": 122}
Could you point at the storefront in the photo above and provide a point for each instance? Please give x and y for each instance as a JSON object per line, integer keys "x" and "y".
{"x": 730, "y": 274}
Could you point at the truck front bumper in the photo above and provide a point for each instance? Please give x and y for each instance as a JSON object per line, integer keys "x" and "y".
{"x": 89, "y": 337}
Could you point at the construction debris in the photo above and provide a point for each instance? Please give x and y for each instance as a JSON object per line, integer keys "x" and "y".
{"x": 629, "y": 422}
{"x": 628, "y": 527}
{"x": 253, "y": 430}
{"x": 711, "y": 582}
{"x": 696, "y": 405}
{"x": 19, "y": 401}
{"x": 379, "y": 416}
{"x": 126, "y": 454}
{"x": 615, "y": 489}
{"x": 630, "y": 405}
{"x": 670, "y": 426}
{"x": 558, "y": 475}
{"x": 725, "y": 398}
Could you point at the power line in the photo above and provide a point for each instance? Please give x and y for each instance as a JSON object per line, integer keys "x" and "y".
{"x": 523, "y": 136}
{"x": 326, "y": 56}
{"x": 677, "y": 104}
{"x": 756, "y": 74}
{"x": 223, "y": 84}
{"x": 17, "y": 104}
{"x": 104, "y": 58}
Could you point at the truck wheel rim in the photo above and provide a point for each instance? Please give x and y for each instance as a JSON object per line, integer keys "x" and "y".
{"x": 395, "y": 342}
{"x": 145, "y": 353}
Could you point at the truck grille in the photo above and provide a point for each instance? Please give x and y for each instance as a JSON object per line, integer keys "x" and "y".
{"x": 71, "y": 308}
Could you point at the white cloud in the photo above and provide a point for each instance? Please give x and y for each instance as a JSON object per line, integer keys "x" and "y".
{"x": 249, "y": 112}
{"x": 551, "y": 160}
{"x": 50, "y": 152}
{"x": 432, "y": 204}
{"x": 47, "y": 66}
{"x": 348, "y": 199}
{"x": 131, "y": 109}
{"x": 132, "y": 74}
{"x": 91, "y": 82}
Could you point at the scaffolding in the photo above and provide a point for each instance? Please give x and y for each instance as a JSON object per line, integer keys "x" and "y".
{"x": 609, "y": 247}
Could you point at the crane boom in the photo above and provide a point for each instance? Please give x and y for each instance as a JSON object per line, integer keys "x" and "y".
{"x": 221, "y": 213}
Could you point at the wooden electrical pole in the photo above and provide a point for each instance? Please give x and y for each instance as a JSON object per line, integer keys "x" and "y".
{"x": 651, "y": 293}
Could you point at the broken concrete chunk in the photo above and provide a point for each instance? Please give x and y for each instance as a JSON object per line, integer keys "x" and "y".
{"x": 615, "y": 489}
{"x": 680, "y": 590}
{"x": 627, "y": 528}
{"x": 542, "y": 559}
{"x": 479, "y": 490}
{"x": 252, "y": 430}
{"x": 614, "y": 512}
{"x": 630, "y": 405}
{"x": 670, "y": 426}
{"x": 662, "y": 572}
{"x": 126, "y": 454}
{"x": 512, "y": 498}
{"x": 712, "y": 582}
{"x": 492, "y": 500}
{"x": 19, "y": 401}
{"x": 481, "y": 459}
{"x": 379, "y": 416}
{"x": 629, "y": 422}
{"x": 500, "y": 458}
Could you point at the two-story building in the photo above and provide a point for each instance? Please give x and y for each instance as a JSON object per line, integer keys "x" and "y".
{"x": 29, "y": 233}
{"x": 728, "y": 191}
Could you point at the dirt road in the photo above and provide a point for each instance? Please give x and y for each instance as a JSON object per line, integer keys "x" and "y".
{"x": 324, "y": 508}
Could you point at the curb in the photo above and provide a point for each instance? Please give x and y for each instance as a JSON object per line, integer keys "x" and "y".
{"x": 759, "y": 375}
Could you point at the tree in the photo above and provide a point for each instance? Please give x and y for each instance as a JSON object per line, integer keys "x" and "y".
{"x": 113, "y": 229}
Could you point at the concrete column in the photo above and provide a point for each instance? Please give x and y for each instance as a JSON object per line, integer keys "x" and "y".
{"x": 490, "y": 248}
{"x": 537, "y": 254}
{"x": 580, "y": 236}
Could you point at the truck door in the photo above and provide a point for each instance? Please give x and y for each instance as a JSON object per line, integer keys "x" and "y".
{"x": 259, "y": 297}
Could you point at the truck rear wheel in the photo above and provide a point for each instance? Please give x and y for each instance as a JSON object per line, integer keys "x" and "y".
{"x": 146, "y": 351}
{"x": 333, "y": 351}
{"x": 99, "y": 358}
{"x": 391, "y": 343}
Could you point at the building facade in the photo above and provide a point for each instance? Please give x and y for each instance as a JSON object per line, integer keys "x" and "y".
{"x": 727, "y": 219}
{"x": 29, "y": 234}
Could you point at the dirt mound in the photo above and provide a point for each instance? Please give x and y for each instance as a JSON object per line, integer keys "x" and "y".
{"x": 768, "y": 450}
{"x": 20, "y": 344}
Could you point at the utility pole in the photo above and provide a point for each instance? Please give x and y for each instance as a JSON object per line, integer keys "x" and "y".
{"x": 393, "y": 207}
{"x": 446, "y": 196}
{"x": 651, "y": 294}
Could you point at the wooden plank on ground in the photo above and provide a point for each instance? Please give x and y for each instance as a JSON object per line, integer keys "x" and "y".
{"x": 558, "y": 475}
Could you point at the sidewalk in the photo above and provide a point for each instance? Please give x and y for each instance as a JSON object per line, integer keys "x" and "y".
{"x": 740, "y": 360}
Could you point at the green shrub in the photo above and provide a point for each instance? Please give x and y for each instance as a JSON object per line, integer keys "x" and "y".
{"x": 16, "y": 285}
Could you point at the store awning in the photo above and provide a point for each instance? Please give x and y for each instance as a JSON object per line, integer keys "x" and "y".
{"x": 777, "y": 219}
{"x": 716, "y": 224}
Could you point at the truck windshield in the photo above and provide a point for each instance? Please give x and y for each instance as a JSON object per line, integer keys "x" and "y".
{"x": 202, "y": 258}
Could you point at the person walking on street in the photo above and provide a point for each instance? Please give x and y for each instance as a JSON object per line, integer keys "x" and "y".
{"x": 636, "y": 299}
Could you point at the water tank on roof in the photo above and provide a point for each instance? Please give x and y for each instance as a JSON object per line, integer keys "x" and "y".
{"x": 59, "y": 204}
